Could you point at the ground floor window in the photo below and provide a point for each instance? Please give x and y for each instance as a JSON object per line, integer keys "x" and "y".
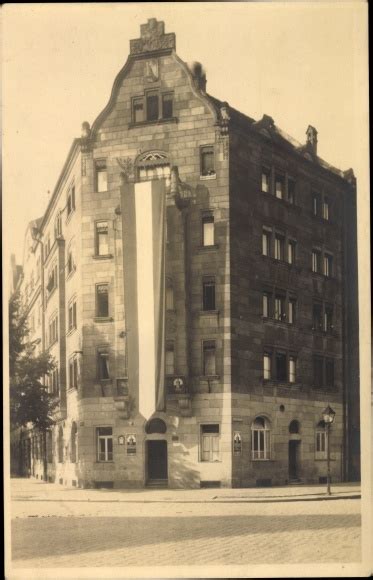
{"x": 73, "y": 445}
{"x": 210, "y": 443}
{"x": 104, "y": 444}
{"x": 260, "y": 439}
{"x": 321, "y": 441}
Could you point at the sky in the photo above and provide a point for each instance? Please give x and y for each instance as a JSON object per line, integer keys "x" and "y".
{"x": 300, "y": 63}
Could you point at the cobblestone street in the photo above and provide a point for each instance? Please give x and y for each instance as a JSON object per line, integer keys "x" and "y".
{"x": 58, "y": 527}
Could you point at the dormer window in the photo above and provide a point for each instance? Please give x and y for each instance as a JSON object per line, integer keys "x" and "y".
{"x": 153, "y": 106}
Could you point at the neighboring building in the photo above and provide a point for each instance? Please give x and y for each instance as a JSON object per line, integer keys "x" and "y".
{"x": 260, "y": 293}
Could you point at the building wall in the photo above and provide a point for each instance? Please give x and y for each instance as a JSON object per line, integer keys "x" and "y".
{"x": 237, "y": 393}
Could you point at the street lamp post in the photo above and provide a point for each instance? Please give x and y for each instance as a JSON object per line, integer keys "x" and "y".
{"x": 328, "y": 415}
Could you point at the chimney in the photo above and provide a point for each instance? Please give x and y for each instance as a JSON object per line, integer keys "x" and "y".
{"x": 312, "y": 139}
{"x": 199, "y": 75}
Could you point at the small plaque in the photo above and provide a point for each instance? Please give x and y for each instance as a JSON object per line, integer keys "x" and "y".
{"x": 121, "y": 440}
{"x": 131, "y": 444}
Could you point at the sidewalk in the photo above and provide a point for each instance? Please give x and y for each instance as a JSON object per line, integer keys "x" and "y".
{"x": 34, "y": 490}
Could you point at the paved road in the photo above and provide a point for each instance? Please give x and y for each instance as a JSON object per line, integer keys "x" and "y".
{"x": 73, "y": 529}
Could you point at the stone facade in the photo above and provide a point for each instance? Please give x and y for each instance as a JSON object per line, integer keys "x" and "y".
{"x": 160, "y": 117}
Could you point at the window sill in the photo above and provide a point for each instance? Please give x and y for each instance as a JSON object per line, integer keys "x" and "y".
{"x": 207, "y": 177}
{"x": 278, "y": 261}
{"x": 209, "y": 377}
{"x": 209, "y": 312}
{"x": 260, "y": 459}
{"x": 103, "y": 319}
{"x": 284, "y": 384}
{"x": 156, "y": 122}
{"x": 111, "y": 462}
{"x": 207, "y": 461}
{"x": 208, "y": 248}
{"x": 102, "y": 257}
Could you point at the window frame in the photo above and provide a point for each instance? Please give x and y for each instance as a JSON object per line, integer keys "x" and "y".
{"x": 266, "y": 242}
{"x": 208, "y": 218}
{"x": 73, "y": 369}
{"x": 262, "y": 439}
{"x": 170, "y": 347}
{"x": 99, "y": 314}
{"x": 209, "y": 346}
{"x": 208, "y": 282}
{"x": 279, "y": 248}
{"x": 98, "y": 254}
{"x": 267, "y": 173}
{"x": 108, "y": 455}
{"x": 207, "y": 150}
{"x": 101, "y": 167}
{"x": 213, "y": 438}
{"x": 72, "y": 320}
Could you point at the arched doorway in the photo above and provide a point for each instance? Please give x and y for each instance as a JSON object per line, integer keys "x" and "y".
{"x": 156, "y": 457}
{"x": 294, "y": 450}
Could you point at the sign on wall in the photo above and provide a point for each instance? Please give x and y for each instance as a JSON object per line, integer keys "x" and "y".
{"x": 121, "y": 440}
{"x": 131, "y": 444}
{"x": 237, "y": 443}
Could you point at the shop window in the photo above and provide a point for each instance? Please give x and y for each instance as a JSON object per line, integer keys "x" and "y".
{"x": 260, "y": 439}
{"x": 210, "y": 443}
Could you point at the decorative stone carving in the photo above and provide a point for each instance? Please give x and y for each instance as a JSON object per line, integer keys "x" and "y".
{"x": 85, "y": 140}
{"x": 152, "y": 38}
{"x": 127, "y": 166}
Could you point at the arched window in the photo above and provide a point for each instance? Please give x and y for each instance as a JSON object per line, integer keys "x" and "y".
{"x": 260, "y": 439}
{"x": 294, "y": 427}
{"x": 60, "y": 445}
{"x": 153, "y": 165}
{"x": 321, "y": 441}
{"x": 155, "y": 426}
{"x": 73, "y": 443}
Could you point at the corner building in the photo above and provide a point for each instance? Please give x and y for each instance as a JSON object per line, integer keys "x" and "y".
{"x": 261, "y": 316}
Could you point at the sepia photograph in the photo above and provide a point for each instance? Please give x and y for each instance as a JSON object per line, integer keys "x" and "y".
{"x": 186, "y": 281}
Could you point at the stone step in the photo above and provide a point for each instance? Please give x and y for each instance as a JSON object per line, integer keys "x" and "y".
{"x": 157, "y": 483}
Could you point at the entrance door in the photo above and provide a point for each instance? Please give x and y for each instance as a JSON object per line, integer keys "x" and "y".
{"x": 157, "y": 461}
{"x": 293, "y": 459}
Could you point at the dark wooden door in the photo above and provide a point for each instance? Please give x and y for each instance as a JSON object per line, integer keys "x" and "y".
{"x": 157, "y": 460}
{"x": 293, "y": 459}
